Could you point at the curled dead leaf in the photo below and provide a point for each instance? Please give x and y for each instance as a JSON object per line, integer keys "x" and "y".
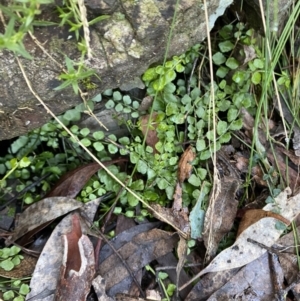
{"x": 185, "y": 164}
{"x": 254, "y": 215}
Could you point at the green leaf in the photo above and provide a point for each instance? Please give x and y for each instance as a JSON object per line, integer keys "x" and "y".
{"x": 113, "y": 149}
{"x": 194, "y": 180}
{"x": 99, "y": 135}
{"x": 210, "y": 135}
{"x": 132, "y": 200}
{"x": 163, "y": 275}
{"x": 24, "y": 162}
{"x": 232, "y": 63}
{"x": 239, "y": 77}
{"x": 232, "y": 114}
{"x": 137, "y": 185}
{"x": 223, "y": 105}
{"x": 159, "y": 84}
{"x": 7, "y": 265}
{"x": 24, "y": 289}
{"x": 226, "y": 46}
{"x": 16, "y": 260}
{"x": 171, "y": 109}
{"x": 162, "y": 183}
{"x": 178, "y": 118}
{"x": 195, "y": 93}
{"x": 84, "y": 132}
{"x": 97, "y": 98}
{"x": 117, "y": 96}
{"x": 124, "y": 141}
{"x": 170, "y": 76}
{"x": 129, "y": 213}
{"x": 173, "y": 160}
{"x": 202, "y": 173}
{"x": 221, "y": 127}
{"x": 179, "y": 68}
{"x": 171, "y": 289}
{"x": 74, "y": 129}
{"x": 72, "y": 115}
{"x": 200, "y": 145}
{"x": 258, "y": 63}
{"x": 134, "y": 157}
{"x": 135, "y": 115}
{"x": 236, "y": 125}
{"x": 142, "y": 167}
{"x": 186, "y": 99}
{"x": 219, "y": 58}
{"x": 86, "y": 142}
{"x": 98, "y": 146}
{"x": 127, "y": 99}
{"x": 119, "y": 107}
{"x": 110, "y": 104}
{"x": 160, "y": 70}
{"x": 225, "y": 138}
{"x": 8, "y": 295}
{"x": 108, "y": 92}
{"x": 256, "y": 78}
{"x": 149, "y": 75}
{"x": 226, "y": 31}
{"x": 118, "y": 210}
{"x": 205, "y": 155}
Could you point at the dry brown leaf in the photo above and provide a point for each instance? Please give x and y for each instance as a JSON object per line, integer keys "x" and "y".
{"x": 49, "y": 262}
{"x": 99, "y": 287}
{"x": 249, "y": 54}
{"x": 151, "y": 138}
{"x": 219, "y": 220}
{"x": 181, "y": 253}
{"x": 252, "y": 216}
{"x": 179, "y": 219}
{"x": 73, "y": 181}
{"x": 42, "y": 212}
{"x": 264, "y": 231}
{"x": 142, "y": 249}
{"x": 177, "y": 203}
{"x": 185, "y": 164}
{"x": 146, "y": 103}
{"x": 252, "y": 282}
{"x": 78, "y": 266}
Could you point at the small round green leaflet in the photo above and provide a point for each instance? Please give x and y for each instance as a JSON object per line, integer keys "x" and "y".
{"x": 194, "y": 180}
{"x": 6, "y": 265}
{"x": 86, "y": 142}
{"x": 200, "y": 145}
{"x": 72, "y": 115}
{"x": 226, "y": 46}
{"x": 219, "y": 58}
{"x": 98, "y": 146}
{"x": 84, "y": 132}
{"x": 117, "y": 96}
{"x": 256, "y": 78}
{"x": 221, "y": 127}
{"x": 149, "y": 75}
{"x": 98, "y": 135}
{"x": 232, "y": 63}
{"x": 24, "y": 162}
{"x": 24, "y": 289}
{"x": 112, "y": 149}
{"x": 110, "y": 104}
{"x": 132, "y": 200}
{"x": 119, "y": 107}
{"x": 8, "y": 295}
{"x": 127, "y": 99}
